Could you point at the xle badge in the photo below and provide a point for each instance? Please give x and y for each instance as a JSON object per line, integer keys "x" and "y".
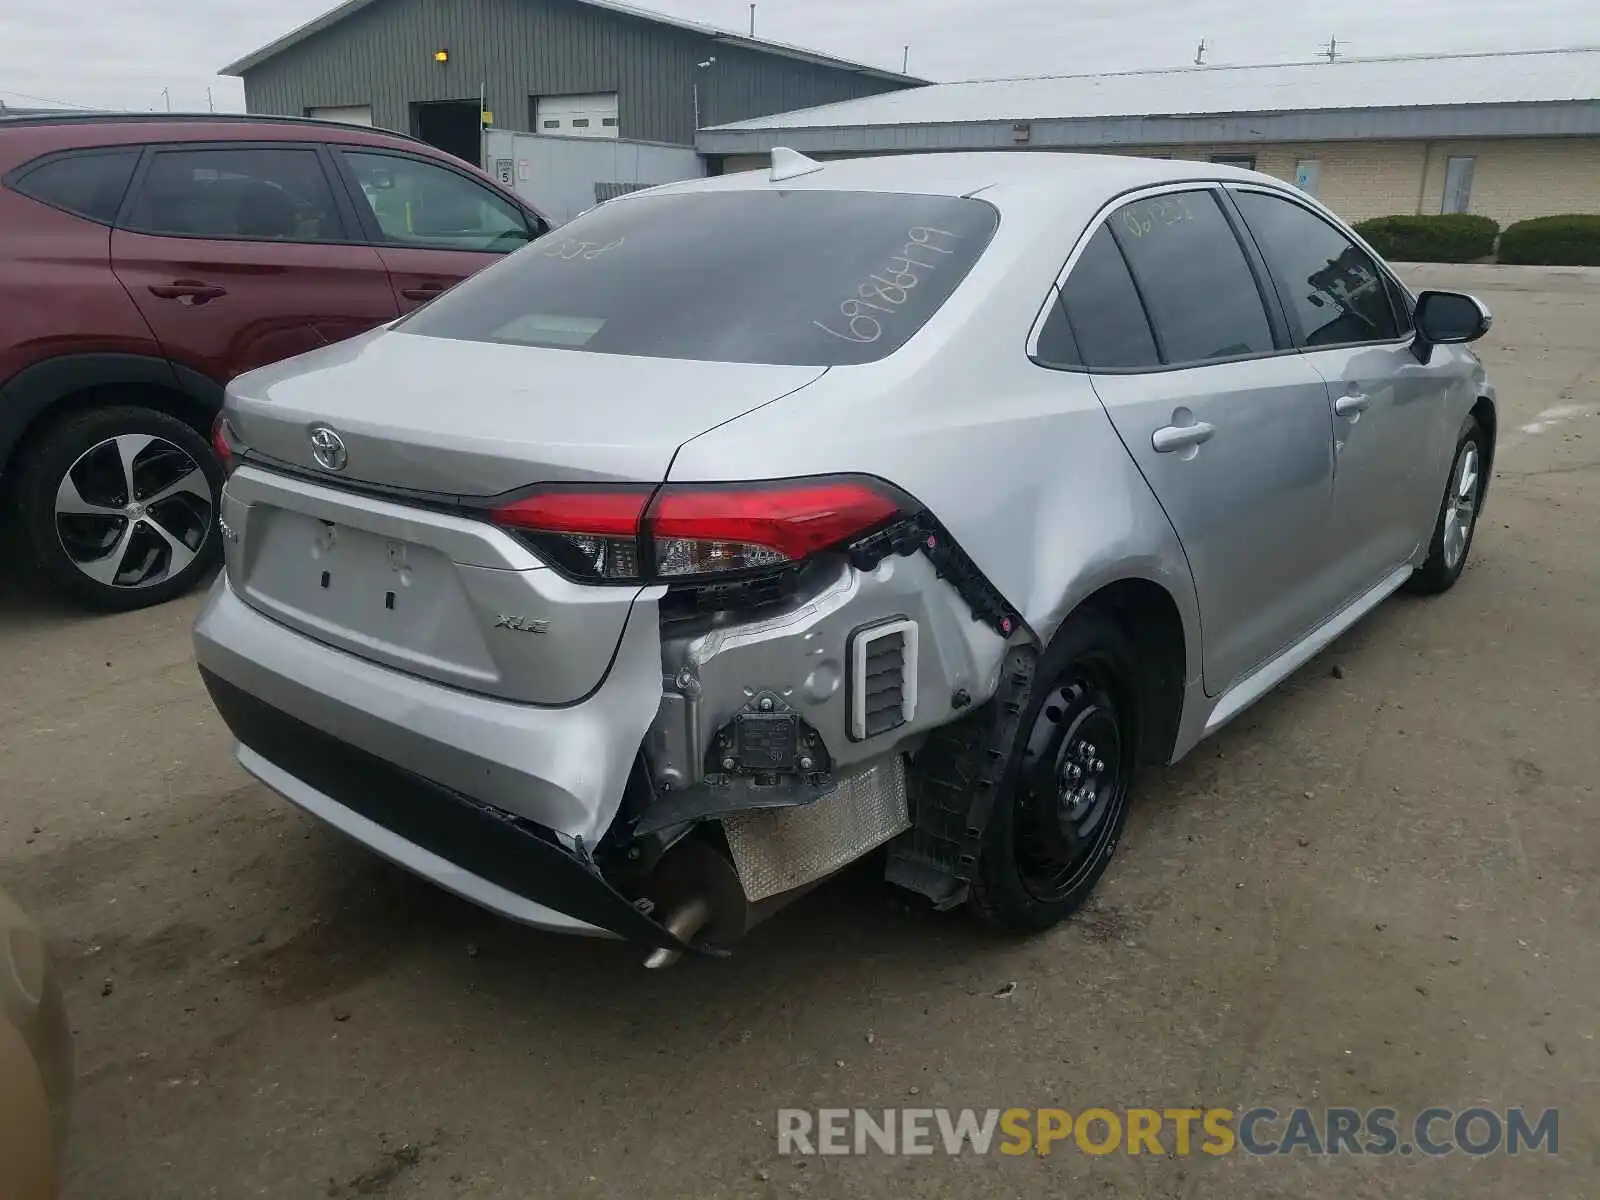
{"x": 521, "y": 624}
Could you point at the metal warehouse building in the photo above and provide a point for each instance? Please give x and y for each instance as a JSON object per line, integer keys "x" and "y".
{"x": 1510, "y": 135}
{"x": 585, "y": 69}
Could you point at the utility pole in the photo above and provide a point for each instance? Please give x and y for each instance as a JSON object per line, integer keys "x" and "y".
{"x": 1331, "y": 50}
{"x": 752, "y": 20}
{"x": 1200, "y": 54}
{"x": 905, "y": 61}
{"x": 211, "y": 104}
{"x": 166, "y": 94}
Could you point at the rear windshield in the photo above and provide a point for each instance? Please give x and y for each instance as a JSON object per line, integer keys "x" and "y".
{"x": 797, "y": 278}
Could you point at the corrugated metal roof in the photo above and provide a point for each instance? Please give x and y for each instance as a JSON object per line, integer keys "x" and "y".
{"x": 333, "y": 16}
{"x": 1411, "y": 81}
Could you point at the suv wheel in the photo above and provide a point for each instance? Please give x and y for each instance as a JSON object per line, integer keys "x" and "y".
{"x": 119, "y": 506}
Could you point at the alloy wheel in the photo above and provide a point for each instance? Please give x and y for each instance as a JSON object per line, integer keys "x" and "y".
{"x": 1461, "y": 506}
{"x": 133, "y": 511}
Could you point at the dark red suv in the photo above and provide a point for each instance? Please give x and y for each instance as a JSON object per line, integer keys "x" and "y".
{"x": 146, "y": 261}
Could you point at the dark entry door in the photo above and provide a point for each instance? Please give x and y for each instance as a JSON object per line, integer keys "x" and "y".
{"x": 454, "y": 126}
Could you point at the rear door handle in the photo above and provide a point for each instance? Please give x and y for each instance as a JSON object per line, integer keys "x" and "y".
{"x": 424, "y": 291}
{"x": 1181, "y": 437}
{"x": 1352, "y": 405}
{"x": 187, "y": 291}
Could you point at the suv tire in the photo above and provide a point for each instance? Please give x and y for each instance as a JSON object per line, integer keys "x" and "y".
{"x": 119, "y": 506}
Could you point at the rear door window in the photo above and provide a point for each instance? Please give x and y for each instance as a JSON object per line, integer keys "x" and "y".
{"x": 88, "y": 183}
{"x": 1196, "y": 284}
{"x": 1102, "y": 310}
{"x": 810, "y": 278}
{"x": 1335, "y": 292}
{"x": 416, "y": 203}
{"x": 228, "y": 192}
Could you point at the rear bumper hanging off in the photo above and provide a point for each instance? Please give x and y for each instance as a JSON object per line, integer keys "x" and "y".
{"x": 480, "y": 852}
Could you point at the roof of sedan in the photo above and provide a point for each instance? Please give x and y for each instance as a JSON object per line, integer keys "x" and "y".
{"x": 969, "y": 173}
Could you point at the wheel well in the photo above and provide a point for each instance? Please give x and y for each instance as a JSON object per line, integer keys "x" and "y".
{"x": 172, "y": 401}
{"x": 1484, "y": 413}
{"x": 1150, "y": 618}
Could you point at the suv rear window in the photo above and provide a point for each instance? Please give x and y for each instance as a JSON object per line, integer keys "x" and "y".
{"x": 89, "y": 183}
{"x": 798, "y": 278}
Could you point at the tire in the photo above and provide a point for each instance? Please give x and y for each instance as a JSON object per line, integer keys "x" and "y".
{"x": 83, "y": 492}
{"x": 1457, "y": 521}
{"x": 1042, "y": 852}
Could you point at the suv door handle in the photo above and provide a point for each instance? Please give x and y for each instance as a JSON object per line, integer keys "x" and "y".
{"x": 424, "y": 291}
{"x": 1181, "y": 437}
{"x": 1352, "y": 405}
{"x": 187, "y": 291}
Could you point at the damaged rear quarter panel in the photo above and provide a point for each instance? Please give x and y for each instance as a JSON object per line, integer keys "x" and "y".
{"x": 800, "y": 653}
{"x": 1020, "y": 463}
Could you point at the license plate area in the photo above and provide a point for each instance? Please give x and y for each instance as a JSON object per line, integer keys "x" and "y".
{"x": 371, "y": 593}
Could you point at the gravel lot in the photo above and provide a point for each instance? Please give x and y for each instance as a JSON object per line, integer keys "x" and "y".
{"x": 1379, "y": 887}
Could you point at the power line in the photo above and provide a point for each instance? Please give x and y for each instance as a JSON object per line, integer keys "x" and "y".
{"x": 44, "y": 99}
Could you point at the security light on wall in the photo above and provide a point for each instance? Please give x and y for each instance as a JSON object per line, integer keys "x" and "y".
{"x": 441, "y": 56}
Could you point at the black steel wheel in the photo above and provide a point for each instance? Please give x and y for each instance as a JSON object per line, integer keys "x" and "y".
{"x": 1073, "y": 783}
{"x": 1062, "y": 802}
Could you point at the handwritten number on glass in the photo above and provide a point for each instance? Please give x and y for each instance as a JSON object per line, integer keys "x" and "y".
{"x": 568, "y": 250}
{"x": 887, "y": 290}
{"x": 1147, "y": 217}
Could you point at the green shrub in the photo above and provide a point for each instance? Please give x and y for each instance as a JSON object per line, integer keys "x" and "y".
{"x": 1567, "y": 241}
{"x": 1446, "y": 237}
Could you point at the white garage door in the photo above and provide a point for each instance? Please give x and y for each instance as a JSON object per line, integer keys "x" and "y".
{"x": 347, "y": 114}
{"x": 592, "y": 116}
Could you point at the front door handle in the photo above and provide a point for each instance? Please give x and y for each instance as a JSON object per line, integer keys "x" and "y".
{"x": 1352, "y": 405}
{"x": 1181, "y": 437}
{"x": 424, "y": 291}
{"x": 187, "y": 291}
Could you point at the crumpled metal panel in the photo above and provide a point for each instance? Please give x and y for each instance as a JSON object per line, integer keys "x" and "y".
{"x": 777, "y": 850}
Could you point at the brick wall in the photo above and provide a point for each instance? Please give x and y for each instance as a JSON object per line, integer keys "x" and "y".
{"x": 1515, "y": 179}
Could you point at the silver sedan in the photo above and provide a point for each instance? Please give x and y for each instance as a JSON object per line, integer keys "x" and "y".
{"x": 747, "y": 525}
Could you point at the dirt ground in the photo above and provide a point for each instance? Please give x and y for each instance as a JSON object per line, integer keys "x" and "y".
{"x": 1379, "y": 887}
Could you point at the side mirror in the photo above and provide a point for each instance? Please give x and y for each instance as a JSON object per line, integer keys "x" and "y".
{"x": 1449, "y": 318}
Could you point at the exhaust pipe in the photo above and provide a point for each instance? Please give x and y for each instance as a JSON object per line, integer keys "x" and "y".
{"x": 688, "y": 919}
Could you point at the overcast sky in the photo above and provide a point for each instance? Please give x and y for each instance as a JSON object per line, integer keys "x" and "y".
{"x": 122, "y": 53}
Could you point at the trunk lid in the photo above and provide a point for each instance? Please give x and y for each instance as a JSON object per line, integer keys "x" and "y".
{"x": 446, "y": 596}
{"x": 480, "y": 418}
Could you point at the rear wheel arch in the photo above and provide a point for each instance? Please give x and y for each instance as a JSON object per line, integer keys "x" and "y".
{"x": 46, "y": 393}
{"x": 1149, "y": 616}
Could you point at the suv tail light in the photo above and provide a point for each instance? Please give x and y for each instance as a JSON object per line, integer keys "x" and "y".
{"x": 222, "y": 444}
{"x": 690, "y": 532}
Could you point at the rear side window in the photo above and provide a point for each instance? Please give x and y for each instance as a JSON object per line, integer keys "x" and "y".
{"x": 88, "y": 183}
{"x": 255, "y": 193}
{"x": 421, "y": 204}
{"x": 811, "y": 278}
{"x": 1100, "y": 306}
{"x": 1194, "y": 279}
{"x": 1332, "y": 288}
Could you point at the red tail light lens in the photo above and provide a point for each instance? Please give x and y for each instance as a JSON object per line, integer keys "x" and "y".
{"x": 700, "y": 531}
{"x": 693, "y": 531}
{"x": 222, "y": 444}
{"x": 590, "y": 533}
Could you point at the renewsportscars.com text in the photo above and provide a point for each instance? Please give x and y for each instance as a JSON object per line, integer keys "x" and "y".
{"x": 1259, "y": 1131}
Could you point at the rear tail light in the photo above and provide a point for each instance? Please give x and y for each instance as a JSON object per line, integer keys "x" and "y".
{"x": 692, "y": 532}
{"x": 222, "y": 444}
{"x": 591, "y": 534}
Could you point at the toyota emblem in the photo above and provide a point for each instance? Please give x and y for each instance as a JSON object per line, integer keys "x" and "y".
{"x": 327, "y": 447}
